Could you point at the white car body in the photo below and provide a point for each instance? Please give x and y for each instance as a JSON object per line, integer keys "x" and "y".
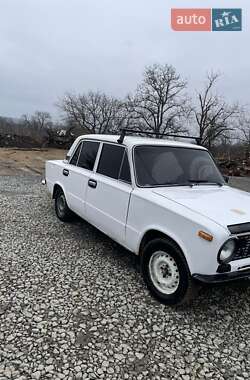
{"x": 130, "y": 214}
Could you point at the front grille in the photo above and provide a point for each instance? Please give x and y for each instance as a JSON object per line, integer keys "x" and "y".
{"x": 239, "y": 228}
{"x": 242, "y": 248}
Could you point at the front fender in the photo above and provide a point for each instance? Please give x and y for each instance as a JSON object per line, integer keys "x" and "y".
{"x": 179, "y": 224}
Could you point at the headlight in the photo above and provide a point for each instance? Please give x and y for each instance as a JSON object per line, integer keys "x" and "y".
{"x": 226, "y": 251}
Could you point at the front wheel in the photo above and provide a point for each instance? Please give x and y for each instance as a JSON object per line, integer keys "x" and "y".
{"x": 62, "y": 210}
{"x": 166, "y": 273}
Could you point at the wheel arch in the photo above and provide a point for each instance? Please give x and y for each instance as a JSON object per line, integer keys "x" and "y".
{"x": 152, "y": 234}
{"x": 58, "y": 186}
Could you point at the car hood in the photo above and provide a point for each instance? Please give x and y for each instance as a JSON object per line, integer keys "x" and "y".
{"x": 224, "y": 205}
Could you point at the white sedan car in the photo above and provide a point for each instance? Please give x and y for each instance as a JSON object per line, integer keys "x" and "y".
{"x": 164, "y": 200}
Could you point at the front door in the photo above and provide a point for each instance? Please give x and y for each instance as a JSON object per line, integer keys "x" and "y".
{"x": 108, "y": 192}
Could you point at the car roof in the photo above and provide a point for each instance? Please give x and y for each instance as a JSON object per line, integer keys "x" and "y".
{"x": 131, "y": 141}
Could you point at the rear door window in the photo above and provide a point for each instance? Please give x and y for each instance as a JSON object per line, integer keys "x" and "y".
{"x": 88, "y": 155}
{"x": 111, "y": 160}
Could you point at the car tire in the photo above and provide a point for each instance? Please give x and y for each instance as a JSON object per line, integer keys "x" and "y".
{"x": 166, "y": 273}
{"x": 62, "y": 210}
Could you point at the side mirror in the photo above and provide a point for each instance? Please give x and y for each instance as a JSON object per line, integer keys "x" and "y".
{"x": 67, "y": 157}
{"x": 226, "y": 178}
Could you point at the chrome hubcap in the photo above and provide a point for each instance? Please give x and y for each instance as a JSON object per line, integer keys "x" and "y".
{"x": 164, "y": 272}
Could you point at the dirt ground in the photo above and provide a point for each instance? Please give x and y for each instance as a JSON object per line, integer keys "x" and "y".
{"x": 20, "y": 161}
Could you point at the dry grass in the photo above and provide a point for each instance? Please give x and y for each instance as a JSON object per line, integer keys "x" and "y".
{"x": 15, "y": 161}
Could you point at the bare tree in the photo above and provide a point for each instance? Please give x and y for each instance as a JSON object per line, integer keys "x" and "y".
{"x": 159, "y": 104}
{"x": 243, "y": 128}
{"x": 37, "y": 126}
{"x": 71, "y": 107}
{"x": 243, "y": 131}
{"x": 214, "y": 117}
{"x": 94, "y": 112}
{"x": 42, "y": 120}
{"x": 7, "y": 125}
{"x": 38, "y": 121}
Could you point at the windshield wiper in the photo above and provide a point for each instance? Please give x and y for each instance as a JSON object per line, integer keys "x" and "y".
{"x": 190, "y": 183}
{"x": 169, "y": 184}
{"x": 204, "y": 182}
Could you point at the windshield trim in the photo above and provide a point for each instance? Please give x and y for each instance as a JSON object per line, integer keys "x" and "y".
{"x": 174, "y": 185}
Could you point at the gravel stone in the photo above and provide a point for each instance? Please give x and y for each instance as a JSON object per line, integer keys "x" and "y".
{"x": 139, "y": 355}
{"x": 36, "y": 375}
{"x": 73, "y": 306}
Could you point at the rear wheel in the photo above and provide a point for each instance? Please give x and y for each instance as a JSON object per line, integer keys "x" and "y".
{"x": 62, "y": 210}
{"x": 166, "y": 273}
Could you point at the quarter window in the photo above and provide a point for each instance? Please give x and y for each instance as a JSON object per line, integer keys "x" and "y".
{"x": 75, "y": 157}
{"x": 111, "y": 160}
{"x": 88, "y": 155}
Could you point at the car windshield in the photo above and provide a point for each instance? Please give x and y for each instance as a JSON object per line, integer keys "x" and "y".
{"x": 174, "y": 166}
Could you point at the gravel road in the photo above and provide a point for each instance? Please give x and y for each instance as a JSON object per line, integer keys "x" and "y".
{"x": 73, "y": 306}
{"x": 242, "y": 183}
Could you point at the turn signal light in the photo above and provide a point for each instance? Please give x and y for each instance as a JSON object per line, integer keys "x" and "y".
{"x": 205, "y": 236}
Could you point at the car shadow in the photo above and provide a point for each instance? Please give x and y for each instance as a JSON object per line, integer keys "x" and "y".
{"x": 126, "y": 257}
{"x": 218, "y": 297}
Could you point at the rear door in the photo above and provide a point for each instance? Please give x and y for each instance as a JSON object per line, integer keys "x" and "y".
{"x": 108, "y": 192}
{"x": 77, "y": 173}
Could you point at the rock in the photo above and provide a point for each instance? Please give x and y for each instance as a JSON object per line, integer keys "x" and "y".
{"x": 8, "y": 373}
{"x": 38, "y": 319}
{"x": 242, "y": 346}
{"x": 119, "y": 356}
{"x": 36, "y": 375}
{"x": 139, "y": 355}
{"x": 49, "y": 368}
{"x": 110, "y": 370}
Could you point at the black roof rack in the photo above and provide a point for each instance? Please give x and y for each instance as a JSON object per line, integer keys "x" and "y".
{"x": 125, "y": 131}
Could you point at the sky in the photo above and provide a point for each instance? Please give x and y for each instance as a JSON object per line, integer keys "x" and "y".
{"x": 50, "y": 47}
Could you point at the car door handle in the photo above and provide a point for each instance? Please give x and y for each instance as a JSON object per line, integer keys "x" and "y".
{"x": 92, "y": 183}
{"x": 65, "y": 172}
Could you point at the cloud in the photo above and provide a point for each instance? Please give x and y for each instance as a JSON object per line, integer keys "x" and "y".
{"x": 49, "y": 47}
